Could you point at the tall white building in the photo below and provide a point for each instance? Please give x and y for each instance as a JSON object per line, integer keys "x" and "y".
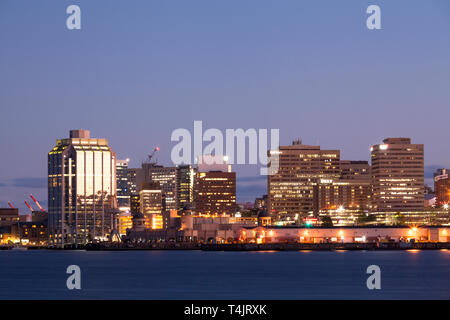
{"x": 81, "y": 189}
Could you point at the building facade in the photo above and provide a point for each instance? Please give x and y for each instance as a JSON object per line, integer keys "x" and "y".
{"x": 397, "y": 176}
{"x": 135, "y": 178}
{"x": 346, "y": 194}
{"x": 123, "y": 192}
{"x": 185, "y": 185}
{"x": 81, "y": 189}
{"x": 151, "y": 205}
{"x": 125, "y": 223}
{"x": 442, "y": 187}
{"x": 135, "y": 203}
{"x": 215, "y": 192}
{"x": 355, "y": 170}
{"x": 167, "y": 179}
{"x": 271, "y": 234}
{"x": 9, "y": 216}
{"x": 300, "y": 168}
{"x": 352, "y": 190}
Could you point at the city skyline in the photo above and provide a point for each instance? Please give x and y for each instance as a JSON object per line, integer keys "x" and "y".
{"x": 328, "y": 81}
{"x": 257, "y": 183}
{"x": 241, "y": 158}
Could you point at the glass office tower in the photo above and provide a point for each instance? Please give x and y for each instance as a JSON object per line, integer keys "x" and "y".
{"x": 185, "y": 185}
{"x": 123, "y": 192}
{"x": 81, "y": 189}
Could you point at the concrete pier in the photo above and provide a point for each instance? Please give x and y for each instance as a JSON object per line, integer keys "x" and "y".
{"x": 274, "y": 246}
{"x": 325, "y": 246}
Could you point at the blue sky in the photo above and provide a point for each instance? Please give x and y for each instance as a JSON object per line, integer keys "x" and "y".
{"x": 137, "y": 70}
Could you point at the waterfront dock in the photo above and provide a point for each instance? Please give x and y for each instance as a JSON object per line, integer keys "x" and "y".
{"x": 326, "y": 246}
{"x": 274, "y": 246}
{"x": 287, "y": 246}
{"x": 144, "y": 246}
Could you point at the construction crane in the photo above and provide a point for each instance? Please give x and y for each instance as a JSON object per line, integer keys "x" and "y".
{"x": 150, "y": 156}
{"x": 9, "y": 203}
{"x": 29, "y": 207}
{"x": 37, "y": 203}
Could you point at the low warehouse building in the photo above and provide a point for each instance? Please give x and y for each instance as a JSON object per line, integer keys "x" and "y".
{"x": 274, "y": 234}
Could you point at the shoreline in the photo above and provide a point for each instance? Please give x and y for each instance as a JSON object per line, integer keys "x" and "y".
{"x": 372, "y": 246}
{"x": 241, "y": 247}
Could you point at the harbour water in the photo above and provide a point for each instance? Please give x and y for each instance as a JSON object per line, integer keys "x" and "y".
{"x": 41, "y": 274}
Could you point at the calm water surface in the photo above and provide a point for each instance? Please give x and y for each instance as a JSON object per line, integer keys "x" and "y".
{"x": 224, "y": 275}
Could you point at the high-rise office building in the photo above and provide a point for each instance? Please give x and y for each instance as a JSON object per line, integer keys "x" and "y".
{"x": 397, "y": 176}
{"x": 185, "y": 185}
{"x": 442, "y": 187}
{"x": 151, "y": 204}
{"x": 346, "y": 198}
{"x": 291, "y": 189}
{"x": 135, "y": 179}
{"x": 167, "y": 179}
{"x": 215, "y": 192}
{"x": 123, "y": 192}
{"x": 81, "y": 189}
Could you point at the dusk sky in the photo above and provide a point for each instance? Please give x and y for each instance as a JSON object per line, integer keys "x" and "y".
{"x": 137, "y": 70}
